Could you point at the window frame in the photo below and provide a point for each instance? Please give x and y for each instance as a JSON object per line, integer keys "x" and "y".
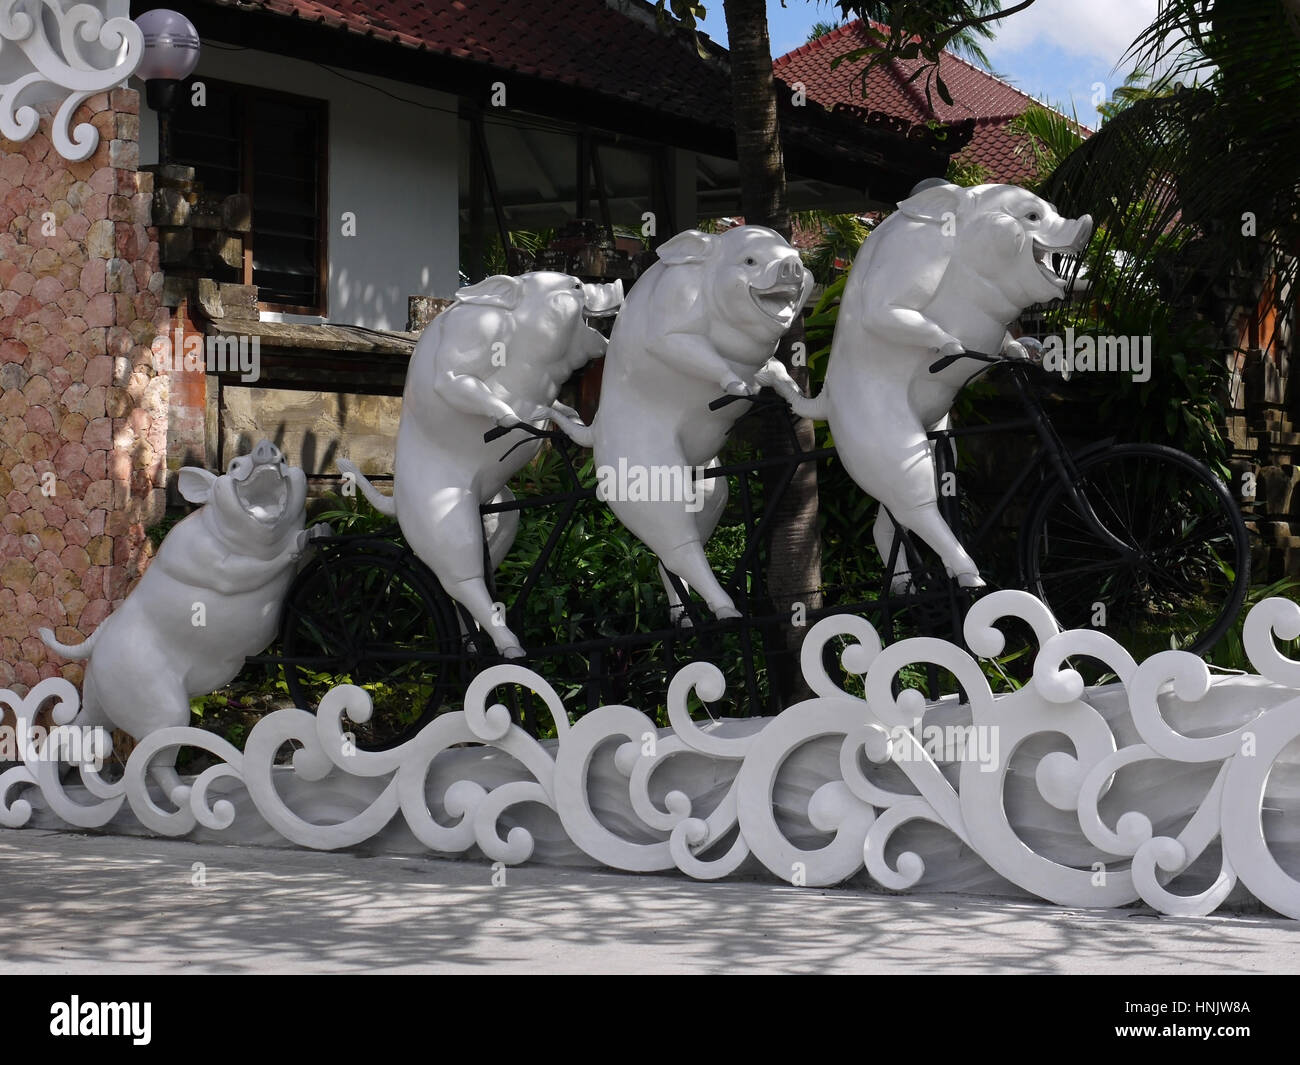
{"x": 246, "y": 100}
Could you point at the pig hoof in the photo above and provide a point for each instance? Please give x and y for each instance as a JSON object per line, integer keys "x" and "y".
{"x": 970, "y": 580}
{"x": 680, "y": 618}
{"x": 722, "y": 613}
{"x": 513, "y": 652}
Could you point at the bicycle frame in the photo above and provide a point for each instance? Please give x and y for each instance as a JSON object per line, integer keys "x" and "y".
{"x": 1059, "y": 457}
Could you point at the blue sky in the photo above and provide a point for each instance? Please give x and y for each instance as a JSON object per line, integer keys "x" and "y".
{"x": 1056, "y": 49}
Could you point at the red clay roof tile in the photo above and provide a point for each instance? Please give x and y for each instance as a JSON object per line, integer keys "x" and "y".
{"x": 976, "y": 94}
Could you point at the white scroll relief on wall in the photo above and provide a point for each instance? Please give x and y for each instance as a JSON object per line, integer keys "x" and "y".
{"x": 1170, "y": 786}
{"x": 52, "y": 50}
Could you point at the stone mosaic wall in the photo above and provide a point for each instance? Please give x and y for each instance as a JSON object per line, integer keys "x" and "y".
{"x": 83, "y": 417}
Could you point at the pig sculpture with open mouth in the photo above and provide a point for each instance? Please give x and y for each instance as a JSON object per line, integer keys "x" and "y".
{"x": 496, "y": 357}
{"x": 700, "y": 322}
{"x": 211, "y": 597}
{"x": 946, "y": 273}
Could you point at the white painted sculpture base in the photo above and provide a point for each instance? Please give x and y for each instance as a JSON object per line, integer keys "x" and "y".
{"x": 1168, "y": 786}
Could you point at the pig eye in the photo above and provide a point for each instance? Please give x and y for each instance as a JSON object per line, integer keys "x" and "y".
{"x": 750, "y": 261}
{"x": 1032, "y": 216}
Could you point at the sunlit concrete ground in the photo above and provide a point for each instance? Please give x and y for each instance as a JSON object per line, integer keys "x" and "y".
{"x": 76, "y": 903}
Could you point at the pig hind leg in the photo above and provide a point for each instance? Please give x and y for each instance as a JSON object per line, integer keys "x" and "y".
{"x": 884, "y": 532}
{"x": 676, "y": 538}
{"x": 905, "y": 477}
{"x": 162, "y": 697}
{"x": 928, "y": 524}
{"x": 712, "y": 497}
{"x": 453, "y": 548}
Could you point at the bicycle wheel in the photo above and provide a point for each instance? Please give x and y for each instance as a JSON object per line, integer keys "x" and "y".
{"x": 368, "y": 614}
{"x": 1185, "y": 578}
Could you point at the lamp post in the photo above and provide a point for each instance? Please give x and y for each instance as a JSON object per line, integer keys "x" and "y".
{"x": 171, "y": 52}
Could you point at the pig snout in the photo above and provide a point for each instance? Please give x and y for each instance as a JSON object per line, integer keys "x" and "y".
{"x": 598, "y": 300}
{"x": 266, "y": 453}
{"x": 785, "y": 272}
{"x": 789, "y": 270}
{"x": 261, "y": 489}
{"x": 1083, "y": 233}
{"x": 781, "y": 288}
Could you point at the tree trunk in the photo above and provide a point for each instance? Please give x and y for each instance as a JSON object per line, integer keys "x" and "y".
{"x": 794, "y": 547}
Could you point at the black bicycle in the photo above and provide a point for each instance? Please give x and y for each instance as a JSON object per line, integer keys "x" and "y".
{"x": 1138, "y": 540}
{"x": 366, "y": 610}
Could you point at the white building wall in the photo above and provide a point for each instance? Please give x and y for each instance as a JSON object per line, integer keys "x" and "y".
{"x": 392, "y": 163}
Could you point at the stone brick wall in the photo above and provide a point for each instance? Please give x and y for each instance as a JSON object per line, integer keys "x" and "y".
{"x": 80, "y": 291}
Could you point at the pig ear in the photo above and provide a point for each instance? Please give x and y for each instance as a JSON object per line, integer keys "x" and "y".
{"x": 691, "y": 246}
{"x": 195, "y": 483}
{"x": 499, "y": 290}
{"x": 931, "y": 204}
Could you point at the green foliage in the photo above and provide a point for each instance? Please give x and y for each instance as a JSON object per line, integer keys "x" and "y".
{"x": 1182, "y": 402}
{"x": 495, "y": 257}
{"x": 1046, "y": 135}
{"x": 156, "y": 533}
{"x": 1230, "y": 652}
{"x": 1197, "y": 185}
{"x": 352, "y": 515}
{"x": 924, "y": 30}
{"x": 965, "y": 172}
{"x": 688, "y": 13}
{"x": 821, "y": 29}
{"x": 840, "y": 237}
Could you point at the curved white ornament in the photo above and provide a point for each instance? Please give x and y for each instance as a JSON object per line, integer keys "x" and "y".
{"x": 60, "y": 64}
{"x": 832, "y": 785}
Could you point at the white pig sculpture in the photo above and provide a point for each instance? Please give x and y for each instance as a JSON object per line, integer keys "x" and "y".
{"x": 210, "y": 598}
{"x": 496, "y": 357}
{"x": 946, "y": 273}
{"x": 700, "y": 322}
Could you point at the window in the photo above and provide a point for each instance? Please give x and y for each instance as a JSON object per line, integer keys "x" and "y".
{"x": 270, "y": 145}
{"x": 530, "y": 176}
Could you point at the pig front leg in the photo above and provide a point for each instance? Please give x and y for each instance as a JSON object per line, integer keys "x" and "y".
{"x": 910, "y": 328}
{"x": 697, "y": 358}
{"x": 227, "y": 573}
{"x": 469, "y": 395}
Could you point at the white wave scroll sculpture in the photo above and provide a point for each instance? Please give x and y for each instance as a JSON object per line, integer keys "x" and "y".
{"x": 1170, "y": 786}
{"x": 50, "y": 50}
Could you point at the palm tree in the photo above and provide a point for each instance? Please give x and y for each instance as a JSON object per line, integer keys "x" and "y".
{"x": 794, "y": 546}
{"x": 821, "y": 29}
{"x": 1196, "y": 175}
{"x": 925, "y": 29}
{"x": 1048, "y": 136}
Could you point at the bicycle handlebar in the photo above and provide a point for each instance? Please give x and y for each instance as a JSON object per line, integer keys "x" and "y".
{"x": 497, "y": 432}
{"x": 727, "y": 400}
{"x": 948, "y": 360}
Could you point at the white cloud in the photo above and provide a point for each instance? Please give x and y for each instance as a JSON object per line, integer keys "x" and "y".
{"x": 1101, "y": 30}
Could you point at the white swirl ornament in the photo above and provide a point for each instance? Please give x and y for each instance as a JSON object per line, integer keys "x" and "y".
{"x": 833, "y": 807}
{"x": 63, "y": 67}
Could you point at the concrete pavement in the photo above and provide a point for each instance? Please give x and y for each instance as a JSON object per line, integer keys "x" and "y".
{"x": 112, "y": 904}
